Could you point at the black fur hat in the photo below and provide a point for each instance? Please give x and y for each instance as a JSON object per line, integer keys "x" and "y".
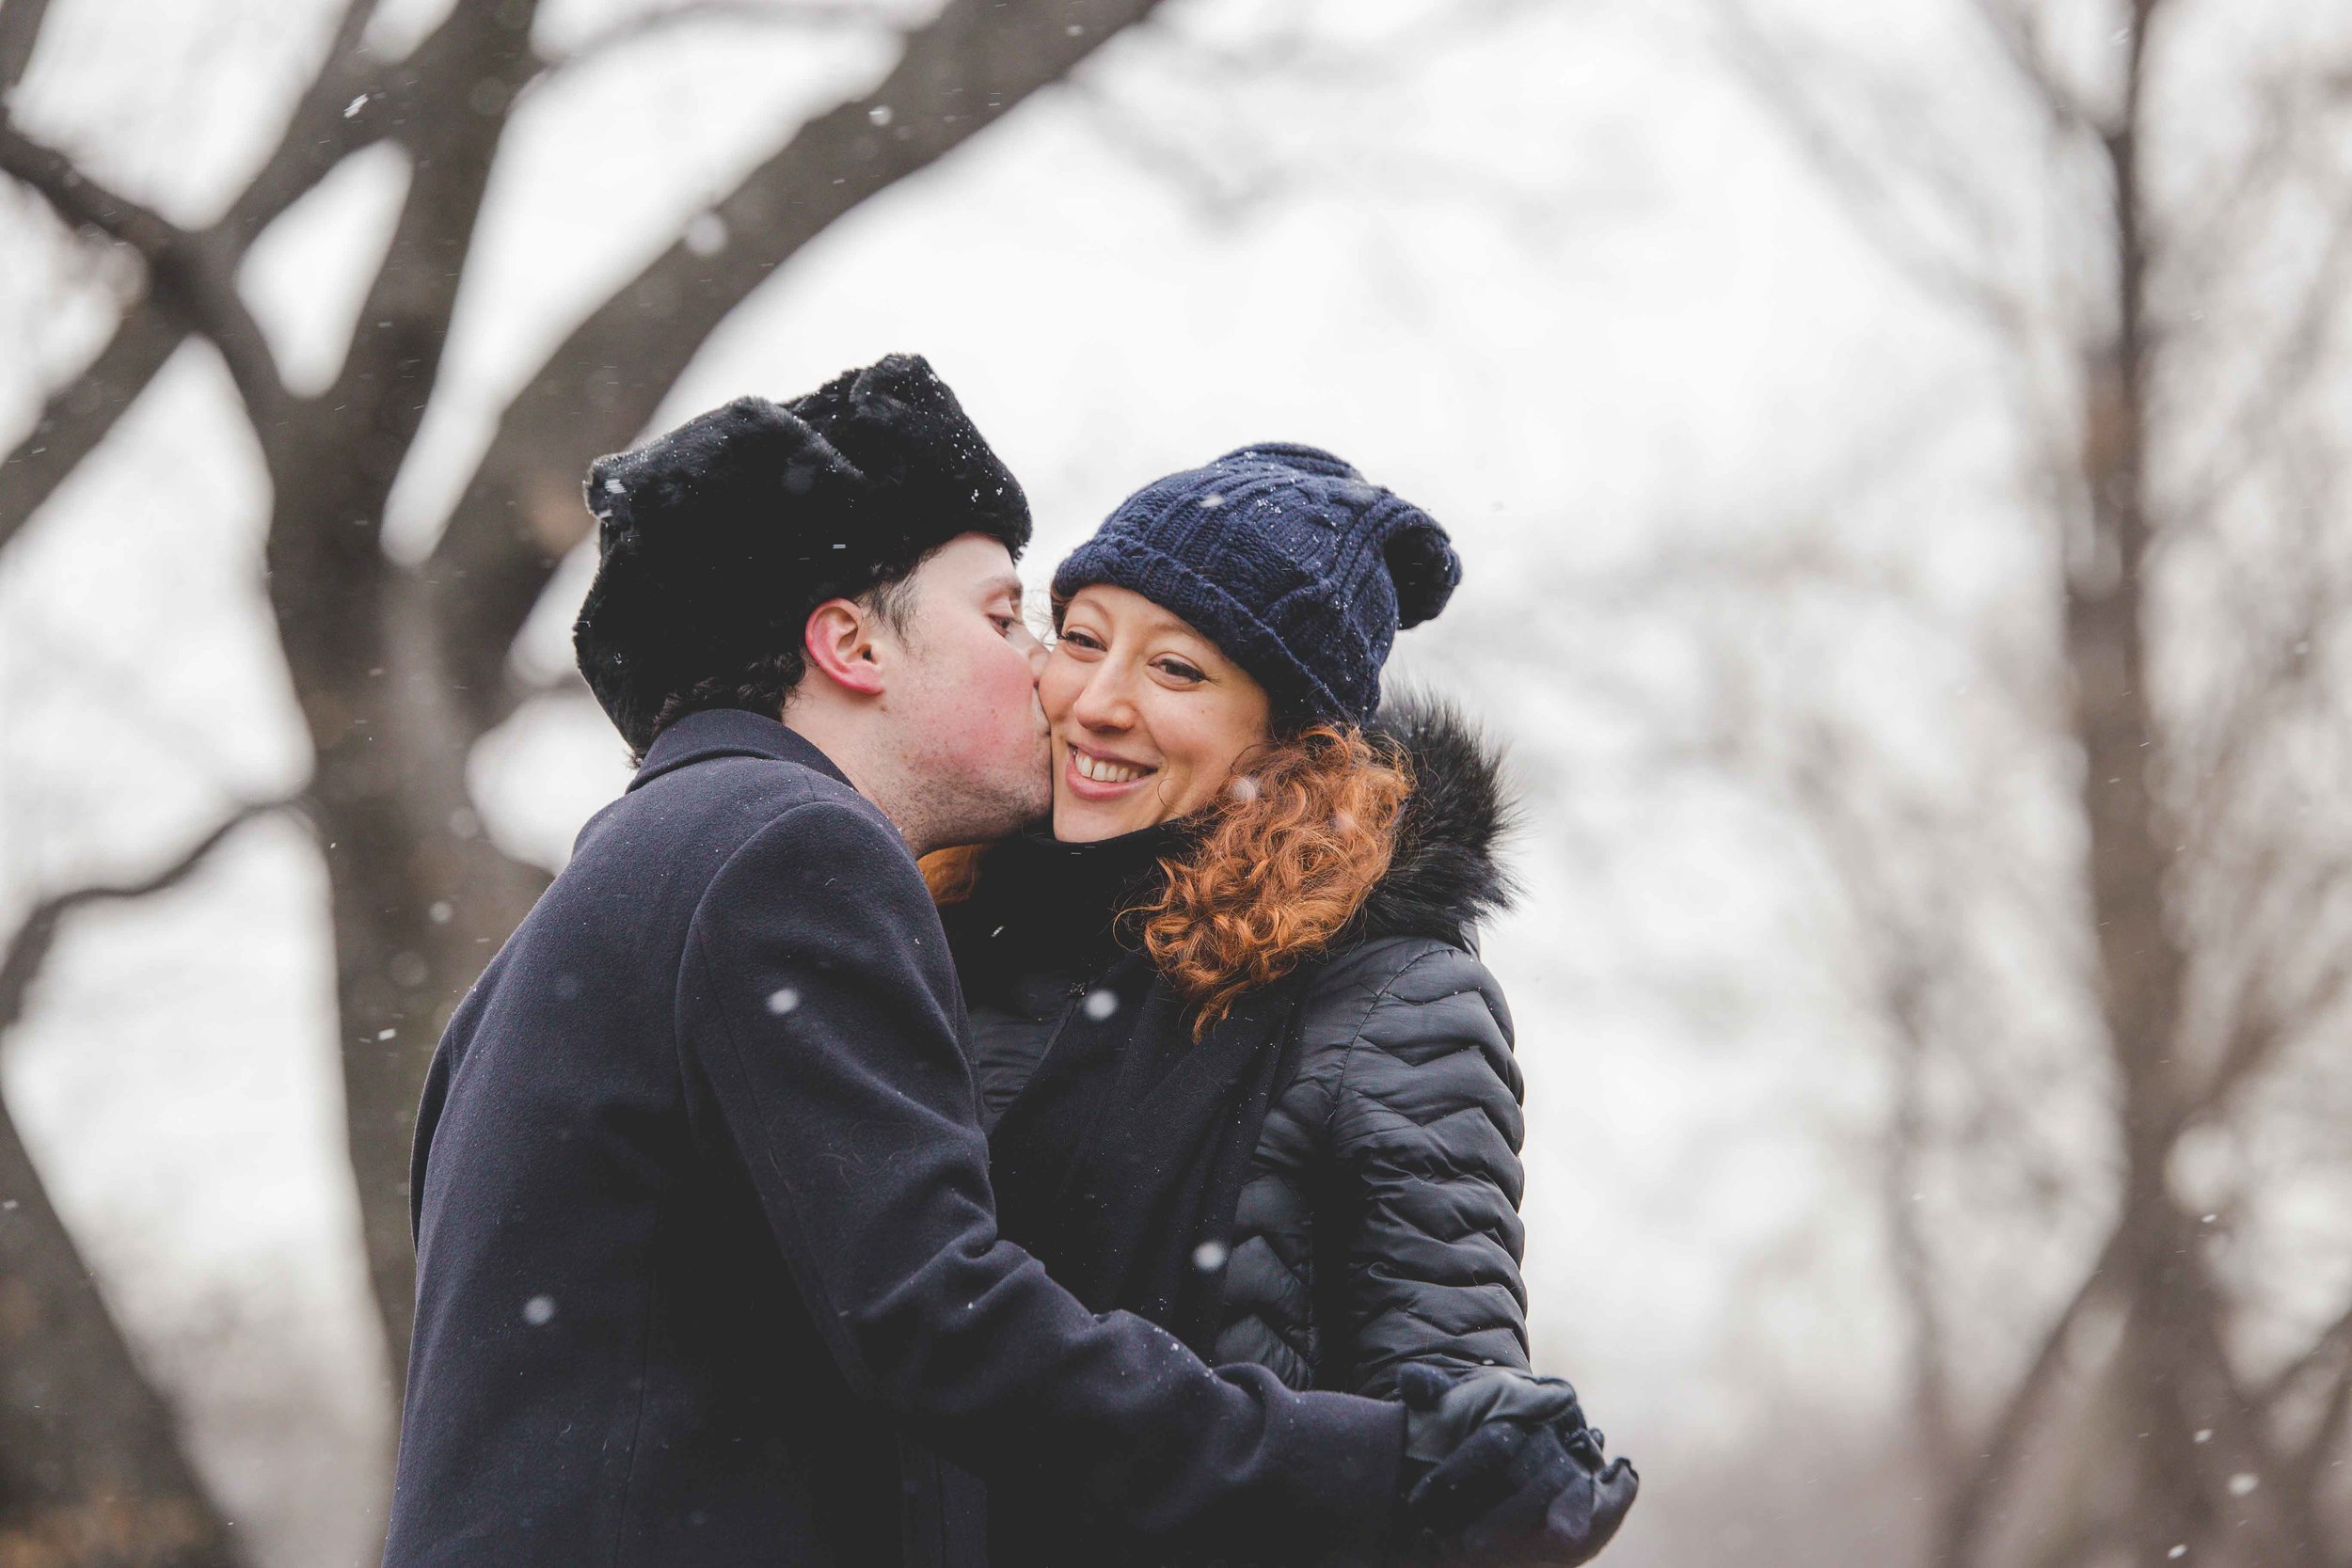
{"x": 716, "y": 541}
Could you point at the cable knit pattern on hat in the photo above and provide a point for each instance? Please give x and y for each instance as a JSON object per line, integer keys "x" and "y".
{"x": 1292, "y": 562}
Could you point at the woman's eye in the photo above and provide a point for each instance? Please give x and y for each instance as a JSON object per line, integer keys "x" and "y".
{"x": 1182, "y": 670}
{"x": 1081, "y": 640}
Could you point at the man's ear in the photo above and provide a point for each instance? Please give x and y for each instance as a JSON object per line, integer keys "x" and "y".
{"x": 840, "y": 638}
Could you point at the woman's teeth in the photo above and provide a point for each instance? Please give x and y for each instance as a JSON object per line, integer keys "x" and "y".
{"x": 1102, "y": 771}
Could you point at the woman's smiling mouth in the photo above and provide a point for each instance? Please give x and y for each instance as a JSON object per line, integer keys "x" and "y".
{"x": 1099, "y": 778}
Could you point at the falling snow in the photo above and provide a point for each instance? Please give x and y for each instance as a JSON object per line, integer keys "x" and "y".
{"x": 539, "y": 1309}
{"x": 783, "y": 999}
{"x": 1102, "y": 1003}
{"x": 1209, "y": 1257}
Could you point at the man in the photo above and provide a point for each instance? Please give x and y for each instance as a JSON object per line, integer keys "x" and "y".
{"x": 707, "y": 1252}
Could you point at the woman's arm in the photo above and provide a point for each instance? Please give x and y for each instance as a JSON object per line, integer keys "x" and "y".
{"x": 1425, "y": 1132}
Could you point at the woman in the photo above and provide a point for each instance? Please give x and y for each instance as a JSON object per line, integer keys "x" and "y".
{"x": 1242, "y": 1069}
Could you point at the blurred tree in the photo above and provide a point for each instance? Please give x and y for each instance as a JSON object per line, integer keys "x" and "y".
{"x": 401, "y": 669}
{"x": 91, "y": 1465}
{"x": 2145, "y": 226}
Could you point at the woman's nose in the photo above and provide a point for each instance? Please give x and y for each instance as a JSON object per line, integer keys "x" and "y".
{"x": 1103, "y": 703}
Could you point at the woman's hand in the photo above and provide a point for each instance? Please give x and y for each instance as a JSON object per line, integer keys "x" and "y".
{"x": 1511, "y": 1472}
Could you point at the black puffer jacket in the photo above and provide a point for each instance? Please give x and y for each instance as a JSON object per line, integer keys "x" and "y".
{"x": 1378, "y": 1225}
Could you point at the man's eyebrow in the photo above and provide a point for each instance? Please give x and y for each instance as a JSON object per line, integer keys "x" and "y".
{"x": 1008, "y": 583}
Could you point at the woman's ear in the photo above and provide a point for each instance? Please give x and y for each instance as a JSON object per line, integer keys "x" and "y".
{"x": 839, "y": 640}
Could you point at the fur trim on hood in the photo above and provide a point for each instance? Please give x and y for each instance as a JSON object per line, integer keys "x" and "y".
{"x": 1446, "y": 877}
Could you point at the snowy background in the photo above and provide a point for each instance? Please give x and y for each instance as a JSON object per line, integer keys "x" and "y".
{"x": 1557, "y": 272}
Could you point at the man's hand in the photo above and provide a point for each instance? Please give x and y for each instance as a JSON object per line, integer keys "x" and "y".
{"x": 1514, "y": 1475}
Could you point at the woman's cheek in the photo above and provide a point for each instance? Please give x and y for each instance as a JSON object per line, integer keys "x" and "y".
{"x": 1057, "y": 688}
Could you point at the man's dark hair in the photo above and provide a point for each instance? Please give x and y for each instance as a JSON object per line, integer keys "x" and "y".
{"x": 766, "y": 682}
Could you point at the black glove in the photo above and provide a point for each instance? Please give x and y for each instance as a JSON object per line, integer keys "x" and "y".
{"x": 1443, "y": 1406}
{"x": 1512, "y": 1491}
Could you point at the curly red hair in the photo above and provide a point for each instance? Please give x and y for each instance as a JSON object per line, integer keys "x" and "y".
{"x": 1289, "y": 856}
{"x": 1285, "y": 860}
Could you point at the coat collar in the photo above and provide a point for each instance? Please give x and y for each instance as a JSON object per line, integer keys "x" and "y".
{"x": 729, "y": 732}
{"x": 1043, "y": 906}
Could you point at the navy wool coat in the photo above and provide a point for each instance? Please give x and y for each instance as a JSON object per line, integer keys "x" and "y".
{"x": 707, "y": 1264}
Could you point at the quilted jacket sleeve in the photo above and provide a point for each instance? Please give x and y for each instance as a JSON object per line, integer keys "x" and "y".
{"x": 1425, "y": 1134}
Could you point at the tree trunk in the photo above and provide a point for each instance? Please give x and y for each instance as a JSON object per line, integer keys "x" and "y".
{"x": 92, "y": 1473}
{"x": 400, "y": 673}
{"x": 420, "y": 898}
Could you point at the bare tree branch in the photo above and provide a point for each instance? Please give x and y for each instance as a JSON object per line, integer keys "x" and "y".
{"x": 1302, "y": 55}
{"x": 91, "y": 1466}
{"x": 2176, "y": 1429}
{"x": 188, "y": 273}
{"x": 2304, "y": 349}
{"x": 786, "y": 13}
{"x": 28, "y": 948}
{"x": 91, "y": 1463}
{"x": 2262, "y": 1024}
{"x": 2336, "y": 1338}
{"x": 20, "y": 29}
{"x": 351, "y": 103}
{"x": 2016, "y": 30}
{"x": 2278, "y": 678}
{"x": 1971, "y": 1505}
{"x": 2220, "y": 216}
{"x": 521, "y": 512}
{"x": 417, "y": 898}
{"x": 451, "y": 123}
{"x": 1867, "y": 196}
{"x": 77, "y": 416}
{"x": 2309, "y": 1459}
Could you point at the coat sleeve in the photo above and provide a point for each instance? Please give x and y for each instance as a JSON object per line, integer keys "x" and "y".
{"x": 1427, "y": 1130}
{"x": 817, "y": 1008}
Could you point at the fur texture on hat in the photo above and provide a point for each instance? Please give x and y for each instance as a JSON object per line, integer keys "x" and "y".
{"x": 716, "y": 540}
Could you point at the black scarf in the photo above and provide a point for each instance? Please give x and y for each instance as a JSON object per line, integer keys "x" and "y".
{"x": 1120, "y": 1162}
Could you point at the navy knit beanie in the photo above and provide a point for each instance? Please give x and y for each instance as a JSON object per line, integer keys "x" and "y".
{"x": 1287, "y": 559}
